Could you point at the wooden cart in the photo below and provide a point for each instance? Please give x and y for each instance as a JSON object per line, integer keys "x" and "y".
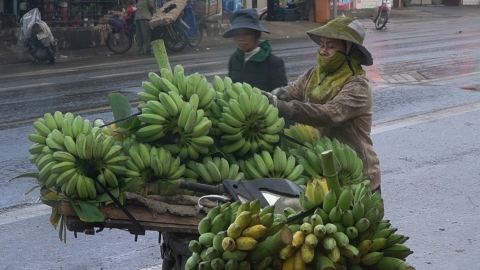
{"x": 117, "y": 219}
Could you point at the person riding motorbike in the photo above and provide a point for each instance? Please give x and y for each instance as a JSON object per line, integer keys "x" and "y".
{"x": 253, "y": 62}
{"x": 335, "y": 96}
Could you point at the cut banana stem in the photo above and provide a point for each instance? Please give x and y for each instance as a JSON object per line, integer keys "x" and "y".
{"x": 160, "y": 53}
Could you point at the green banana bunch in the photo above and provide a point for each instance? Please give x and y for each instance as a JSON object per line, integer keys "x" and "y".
{"x": 315, "y": 191}
{"x": 179, "y": 113}
{"x": 349, "y": 166}
{"x": 303, "y": 133}
{"x": 347, "y": 235}
{"x": 248, "y": 122}
{"x": 216, "y": 169}
{"x": 192, "y": 138}
{"x": 230, "y": 234}
{"x": 75, "y": 154}
{"x": 152, "y": 164}
{"x": 266, "y": 165}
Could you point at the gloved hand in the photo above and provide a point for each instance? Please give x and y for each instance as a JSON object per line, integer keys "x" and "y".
{"x": 282, "y": 94}
{"x": 271, "y": 98}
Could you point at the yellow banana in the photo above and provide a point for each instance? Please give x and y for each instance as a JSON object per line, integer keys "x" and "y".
{"x": 245, "y": 243}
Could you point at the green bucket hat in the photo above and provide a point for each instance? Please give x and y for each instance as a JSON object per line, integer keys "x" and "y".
{"x": 344, "y": 28}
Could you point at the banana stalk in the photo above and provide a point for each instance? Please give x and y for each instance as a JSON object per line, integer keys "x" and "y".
{"x": 330, "y": 172}
{"x": 160, "y": 53}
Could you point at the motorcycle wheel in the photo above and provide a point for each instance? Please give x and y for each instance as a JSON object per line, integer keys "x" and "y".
{"x": 119, "y": 42}
{"x": 51, "y": 57}
{"x": 263, "y": 16}
{"x": 381, "y": 20}
{"x": 195, "y": 40}
{"x": 177, "y": 40}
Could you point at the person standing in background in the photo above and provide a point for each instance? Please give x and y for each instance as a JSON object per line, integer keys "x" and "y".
{"x": 253, "y": 61}
{"x": 143, "y": 15}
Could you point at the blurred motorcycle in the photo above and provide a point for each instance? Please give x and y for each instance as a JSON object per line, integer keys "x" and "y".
{"x": 37, "y": 37}
{"x": 123, "y": 30}
{"x": 381, "y": 13}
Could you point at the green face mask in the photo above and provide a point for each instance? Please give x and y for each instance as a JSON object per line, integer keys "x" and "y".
{"x": 331, "y": 63}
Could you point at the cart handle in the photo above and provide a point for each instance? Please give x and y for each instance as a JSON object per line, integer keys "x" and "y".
{"x": 214, "y": 190}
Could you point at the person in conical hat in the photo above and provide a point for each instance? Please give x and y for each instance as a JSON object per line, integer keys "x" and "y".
{"x": 253, "y": 61}
{"x": 335, "y": 95}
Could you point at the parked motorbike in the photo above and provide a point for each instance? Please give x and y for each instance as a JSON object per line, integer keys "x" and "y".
{"x": 121, "y": 39}
{"x": 193, "y": 24}
{"x": 381, "y": 13}
{"x": 175, "y": 38}
{"x": 270, "y": 191}
{"x": 36, "y": 36}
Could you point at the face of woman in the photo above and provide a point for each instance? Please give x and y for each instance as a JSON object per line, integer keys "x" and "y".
{"x": 245, "y": 39}
{"x": 328, "y": 46}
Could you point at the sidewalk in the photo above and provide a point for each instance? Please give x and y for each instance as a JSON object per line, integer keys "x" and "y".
{"x": 278, "y": 30}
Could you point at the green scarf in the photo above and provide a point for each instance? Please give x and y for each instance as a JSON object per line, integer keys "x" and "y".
{"x": 330, "y": 75}
{"x": 265, "y": 50}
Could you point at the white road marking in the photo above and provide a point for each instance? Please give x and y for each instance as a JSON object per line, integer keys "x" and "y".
{"x": 24, "y": 213}
{"x": 117, "y": 74}
{"x": 24, "y": 86}
{"x": 431, "y": 116}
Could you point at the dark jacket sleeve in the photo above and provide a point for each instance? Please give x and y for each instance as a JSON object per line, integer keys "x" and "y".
{"x": 278, "y": 75}
{"x": 230, "y": 67}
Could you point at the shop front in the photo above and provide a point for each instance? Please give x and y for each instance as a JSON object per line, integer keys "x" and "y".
{"x": 58, "y": 13}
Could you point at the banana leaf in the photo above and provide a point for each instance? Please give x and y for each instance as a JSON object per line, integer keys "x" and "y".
{"x": 121, "y": 110}
{"x": 87, "y": 211}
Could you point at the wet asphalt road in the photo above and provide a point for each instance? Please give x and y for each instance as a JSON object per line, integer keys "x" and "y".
{"x": 427, "y": 100}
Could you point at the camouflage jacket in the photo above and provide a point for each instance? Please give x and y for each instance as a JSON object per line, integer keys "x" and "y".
{"x": 347, "y": 117}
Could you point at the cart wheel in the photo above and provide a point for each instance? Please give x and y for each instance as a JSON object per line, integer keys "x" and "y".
{"x": 168, "y": 264}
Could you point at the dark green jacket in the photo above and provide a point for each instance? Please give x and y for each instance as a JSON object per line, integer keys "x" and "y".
{"x": 264, "y": 70}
